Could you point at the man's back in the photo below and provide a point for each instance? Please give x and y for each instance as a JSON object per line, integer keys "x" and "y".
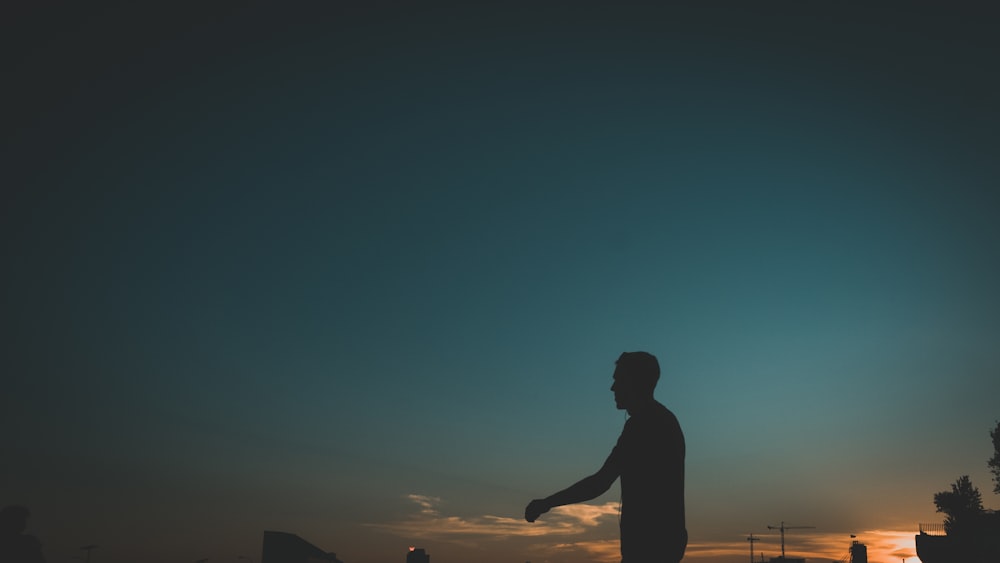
{"x": 649, "y": 458}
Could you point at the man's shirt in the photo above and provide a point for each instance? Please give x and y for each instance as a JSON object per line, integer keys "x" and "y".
{"x": 649, "y": 459}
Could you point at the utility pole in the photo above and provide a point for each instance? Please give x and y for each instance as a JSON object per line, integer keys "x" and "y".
{"x": 751, "y": 538}
{"x": 783, "y": 527}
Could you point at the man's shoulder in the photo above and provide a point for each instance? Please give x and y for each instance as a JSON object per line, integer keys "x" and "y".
{"x": 657, "y": 410}
{"x": 666, "y": 413}
{"x": 656, "y": 414}
{"x": 658, "y": 421}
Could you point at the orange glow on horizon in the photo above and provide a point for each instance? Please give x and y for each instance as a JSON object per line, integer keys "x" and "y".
{"x": 589, "y": 532}
{"x": 884, "y": 546}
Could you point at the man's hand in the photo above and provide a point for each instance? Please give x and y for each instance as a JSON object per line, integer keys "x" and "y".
{"x": 535, "y": 509}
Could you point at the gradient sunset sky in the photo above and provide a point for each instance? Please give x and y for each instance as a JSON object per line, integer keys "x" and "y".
{"x": 361, "y": 274}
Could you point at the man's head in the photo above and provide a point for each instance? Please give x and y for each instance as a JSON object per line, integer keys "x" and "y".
{"x": 636, "y": 374}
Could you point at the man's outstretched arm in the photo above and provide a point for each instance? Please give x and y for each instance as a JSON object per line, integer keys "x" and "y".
{"x": 583, "y": 490}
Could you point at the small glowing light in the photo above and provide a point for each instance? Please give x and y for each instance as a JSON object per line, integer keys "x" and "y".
{"x": 412, "y": 548}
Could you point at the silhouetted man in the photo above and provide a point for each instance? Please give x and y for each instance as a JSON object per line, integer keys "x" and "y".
{"x": 15, "y": 545}
{"x": 649, "y": 459}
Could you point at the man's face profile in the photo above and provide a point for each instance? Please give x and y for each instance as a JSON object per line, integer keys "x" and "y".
{"x": 624, "y": 388}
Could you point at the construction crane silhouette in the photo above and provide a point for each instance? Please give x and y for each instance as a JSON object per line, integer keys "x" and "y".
{"x": 783, "y": 527}
{"x": 752, "y": 538}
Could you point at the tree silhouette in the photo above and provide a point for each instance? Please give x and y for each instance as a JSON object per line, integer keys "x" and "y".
{"x": 962, "y": 505}
{"x": 994, "y": 462}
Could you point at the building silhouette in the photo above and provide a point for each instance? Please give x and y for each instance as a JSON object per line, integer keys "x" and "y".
{"x": 282, "y": 547}
{"x": 859, "y": 552}
{"x": 418, "y": 555}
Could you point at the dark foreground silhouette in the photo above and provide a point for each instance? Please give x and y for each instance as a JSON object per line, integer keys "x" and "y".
{"x": 649, "y": 459}
{"x": 282, "y": 547}
{"x": 977, "y": 540}
{"x": 15, "y": 545}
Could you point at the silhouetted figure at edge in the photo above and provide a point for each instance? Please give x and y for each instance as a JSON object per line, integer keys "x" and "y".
{"x": 15, "y": 545}
{"x": 649, "y": 459}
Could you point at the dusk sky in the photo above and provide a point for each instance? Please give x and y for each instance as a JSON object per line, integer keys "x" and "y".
{"x": 362, "y": 274}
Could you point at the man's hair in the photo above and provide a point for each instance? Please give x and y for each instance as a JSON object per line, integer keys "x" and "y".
{"x": 641, "y": 367}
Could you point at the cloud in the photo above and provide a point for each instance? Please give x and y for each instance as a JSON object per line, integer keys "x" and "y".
{"x": 608, "y": 551}
{"x": 426, "y": 503}
{"x": 587, "y": 514}
{"x": 429, "y": 522}
{"x": 716, "y": 549}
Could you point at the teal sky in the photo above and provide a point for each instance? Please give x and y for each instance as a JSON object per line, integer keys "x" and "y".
{"x": 362, "y": 274}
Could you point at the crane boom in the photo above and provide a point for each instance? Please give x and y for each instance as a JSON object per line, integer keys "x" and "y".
{"x": 783, "y": 527}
